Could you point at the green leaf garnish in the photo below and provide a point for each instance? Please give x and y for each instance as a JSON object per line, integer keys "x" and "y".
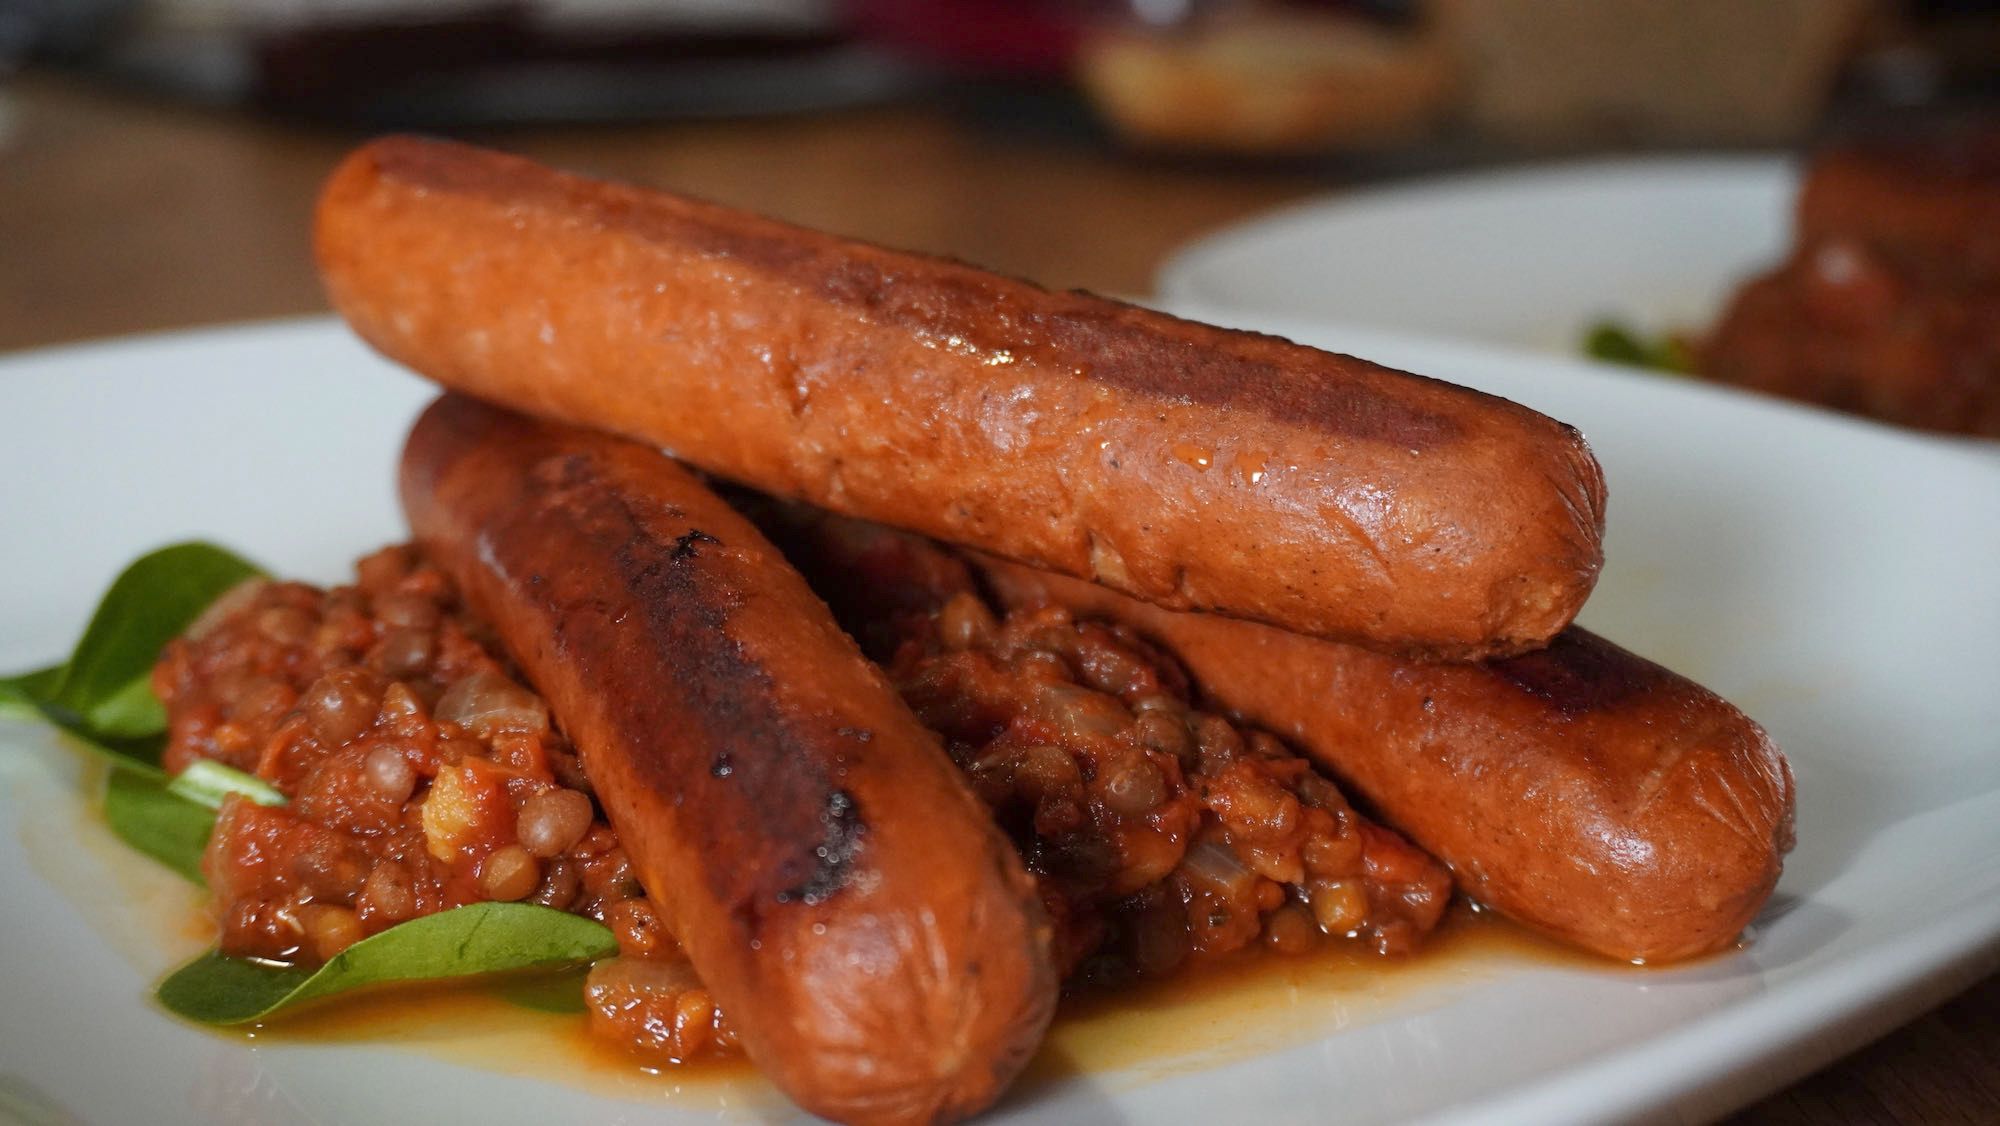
{"x": 1617, "y": 343}
{"x": 147, "y": 815}
{"x": 103, "y": 694}
{"x": 102, "y": 697}
{"x": 105, "y": 683}
{"x": 482, "y": 938}
{"x": 206, "y": 782}
{"x": 21, "y": 696}
{"x": 140, "y": 755}
{"x": 28, "y": 697}
{"x": 558, "y": 992}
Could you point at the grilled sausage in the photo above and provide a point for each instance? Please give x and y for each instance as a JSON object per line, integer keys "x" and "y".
{"x": 1581, "y": 790}
{"x": 844, "y": 895}
{"x": 1187, "y": 465}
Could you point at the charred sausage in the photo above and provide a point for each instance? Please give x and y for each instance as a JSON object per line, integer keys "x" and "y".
{"x": 1187, "y": 465}
{"x": 845, "y": 896}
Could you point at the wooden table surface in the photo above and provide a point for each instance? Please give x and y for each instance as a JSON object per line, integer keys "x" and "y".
{"x": 120, "y": 216}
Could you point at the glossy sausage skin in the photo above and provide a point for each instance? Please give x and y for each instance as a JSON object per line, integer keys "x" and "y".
{"x": 1184, "y": 464}
{"x": 1581, "y": 789}
{"x": 843, "y": 894}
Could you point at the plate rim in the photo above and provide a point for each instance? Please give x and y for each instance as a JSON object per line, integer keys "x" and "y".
{"x": 1180, "y": 275}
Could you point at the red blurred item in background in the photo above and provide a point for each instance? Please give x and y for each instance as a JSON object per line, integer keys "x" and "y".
{"x": 1031, "y": 38}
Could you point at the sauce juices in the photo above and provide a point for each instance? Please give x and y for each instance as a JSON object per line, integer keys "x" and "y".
{"x": 1207, "y": 1017}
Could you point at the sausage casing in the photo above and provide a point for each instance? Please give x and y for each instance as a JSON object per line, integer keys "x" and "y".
{"x": 839, "y": 889}
{"x": 1581, "y": 789}
{"x": 1191, "y": 466}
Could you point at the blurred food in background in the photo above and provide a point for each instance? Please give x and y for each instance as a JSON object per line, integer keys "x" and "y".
{"x": 1889, "y": 303}
{"x": 1266, "y": 78}
{"x": 1499, "y": 76}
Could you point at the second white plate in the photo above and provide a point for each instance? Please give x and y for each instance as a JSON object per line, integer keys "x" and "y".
{"x": 1519, "y": 259}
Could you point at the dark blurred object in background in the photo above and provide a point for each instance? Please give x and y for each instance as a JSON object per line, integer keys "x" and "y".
{"x": 457, "y": 63}
{"x": 1285, "y": 78}
{"x": 56, "y": 28}
{"x": 1889, "y": 303}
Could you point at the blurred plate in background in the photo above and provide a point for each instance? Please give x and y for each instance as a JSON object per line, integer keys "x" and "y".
{"x": 1518, "y": 259}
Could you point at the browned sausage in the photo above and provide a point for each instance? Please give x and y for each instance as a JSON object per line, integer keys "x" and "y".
{"x": 1187, "y": 465}
{"x": 1581, "y": 790}
{"x": 847, "y": 899}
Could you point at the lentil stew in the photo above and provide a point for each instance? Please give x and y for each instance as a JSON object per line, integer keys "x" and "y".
{"x": 424, "y": 775}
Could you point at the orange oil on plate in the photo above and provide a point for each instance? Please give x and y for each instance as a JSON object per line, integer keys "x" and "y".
{"x": 1213, "y": 1016}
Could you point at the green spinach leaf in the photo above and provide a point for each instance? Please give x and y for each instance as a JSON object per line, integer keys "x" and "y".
{"x": 139, "y": 755}
{"x": 21, "y": 696}
{"x": 1617, "y": 343}
{"x": 106, "y": 681}
{"x": 103, "y": 698}
{"x": 560, "y": 991}
{"x": 103, "y": 694}
{"x": 145, "y": 814}
{"x": 482, "y": 938}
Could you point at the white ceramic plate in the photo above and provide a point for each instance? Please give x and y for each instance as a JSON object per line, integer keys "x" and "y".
{"x": 1521, "y": 259}
{"x": 1833, "y": 577}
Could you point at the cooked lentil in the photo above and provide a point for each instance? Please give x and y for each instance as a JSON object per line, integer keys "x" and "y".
{"x": 424, "y": 775}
